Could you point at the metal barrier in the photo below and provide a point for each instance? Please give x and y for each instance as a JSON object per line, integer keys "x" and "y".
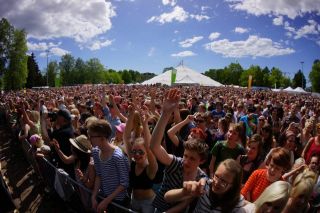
{"x": 48, "y": 172}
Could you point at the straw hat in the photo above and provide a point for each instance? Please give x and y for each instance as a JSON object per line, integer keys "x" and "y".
{"x": 81, "y": 143}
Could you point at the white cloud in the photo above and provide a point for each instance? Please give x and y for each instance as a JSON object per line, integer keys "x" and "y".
{"x": 204, "y": 8}
{"x": 199, "y": 17}
{"x": 56, "y": 51}
{"x": 41, "y": 46}
{"x": 151, "y": 51}
{"x": 253, "y": 47}
{"x": 240, "y": 30}
{"x": 214, "y": 35}
{"x": 171, "y": 2}
{"x": 306, "y": 30}
{"x": 176, "y": 31}
{"x": 312, "y": 28}
{"x": 183, "y": 54}
{"x": 289, "y": 8}
{"x": 278, "y": 21}
{"x": 78, "y": 20}
{"x": 177, "y": 14}
{"x": 97, "y": 45}
{"x": 190, "y": 41}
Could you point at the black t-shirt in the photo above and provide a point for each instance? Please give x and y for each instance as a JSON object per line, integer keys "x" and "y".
{"x": 63, "y": 135}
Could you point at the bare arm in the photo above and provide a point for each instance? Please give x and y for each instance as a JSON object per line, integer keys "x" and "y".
{"x": 65, "y": 159}
{"x": 211, "y": 166}
{"x": 171, "y": 101}
{"x": 306, "y": 148}
{"x": 118, "y": 113}
{"x": 152, "y": 168}
{"x": 127, "y": 131}
{"x": 172, "y": 132}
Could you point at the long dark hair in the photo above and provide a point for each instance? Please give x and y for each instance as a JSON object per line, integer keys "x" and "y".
{"x": 83, "y": 159}
{"x": 230, "y": 199}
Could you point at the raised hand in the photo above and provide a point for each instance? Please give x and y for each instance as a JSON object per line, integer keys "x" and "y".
{"x": 171, "y": 100}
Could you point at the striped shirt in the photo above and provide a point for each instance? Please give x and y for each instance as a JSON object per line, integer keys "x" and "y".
{"x": 172, "y": 179}
{"x": 113, "y": 172}
{"x": 204, "y": 204}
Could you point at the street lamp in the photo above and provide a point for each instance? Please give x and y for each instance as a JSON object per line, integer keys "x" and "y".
{"x": 47, "y": 51}
{"x": 302, "y": 74}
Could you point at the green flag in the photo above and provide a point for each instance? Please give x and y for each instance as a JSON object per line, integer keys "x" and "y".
{"x": 173, "y": 76}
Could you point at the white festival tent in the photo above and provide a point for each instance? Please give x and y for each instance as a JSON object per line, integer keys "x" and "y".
{"x": 288, "y": 89}
{"x": 185, "y": 75}
{"x": 300, "y": 90}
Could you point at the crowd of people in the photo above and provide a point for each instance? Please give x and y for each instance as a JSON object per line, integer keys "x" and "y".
{"x": 159, "y": 149}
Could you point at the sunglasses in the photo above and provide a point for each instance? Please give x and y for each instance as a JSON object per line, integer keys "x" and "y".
{"x": 137, "y": 152}
{"x": 199, "y": 121}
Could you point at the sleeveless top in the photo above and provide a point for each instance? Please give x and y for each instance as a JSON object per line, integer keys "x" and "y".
{"x": 313, "y": 149}
{"x": 141, "y": 181}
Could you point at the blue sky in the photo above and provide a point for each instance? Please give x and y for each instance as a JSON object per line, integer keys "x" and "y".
{"x": 149, "y": 35}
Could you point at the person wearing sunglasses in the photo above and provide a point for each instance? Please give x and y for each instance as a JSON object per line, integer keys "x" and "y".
{"x": 143, "y": 164}
{"x": 219, "y": 194}
{"x": 177, "y": 169}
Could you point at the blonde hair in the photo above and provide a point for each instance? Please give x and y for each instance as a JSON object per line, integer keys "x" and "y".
{"x": 303, "y": 184}
{"x": 277, "y": 191}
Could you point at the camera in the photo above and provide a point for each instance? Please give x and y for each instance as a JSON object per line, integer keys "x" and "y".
{"x": 53, "y": 116}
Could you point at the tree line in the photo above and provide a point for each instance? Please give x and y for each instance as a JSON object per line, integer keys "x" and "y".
{"x": 19, "y": 70}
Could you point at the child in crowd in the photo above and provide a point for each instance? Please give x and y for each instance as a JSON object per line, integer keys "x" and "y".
{"x": 112, "y": 168}
{"x": 177, "y": 169}
{"x": 277, "y": 163}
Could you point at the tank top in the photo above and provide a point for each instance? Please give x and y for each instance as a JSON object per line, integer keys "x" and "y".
{"x": 314, "y": 149}
{"x": 141, "y": 181}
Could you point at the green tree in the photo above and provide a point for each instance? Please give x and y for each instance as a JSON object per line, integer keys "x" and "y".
{"x": 314, "y": 76}
{"x": 216, "y": 74}
{"x": 6, "y": 40}
{"x": 232, "y": 73}
{"x": 66, "y": 66}
{"x": 266, "y": 74}
{"x": 53, "y": 69}
{"x": 275, "y": 77}
{"x": 16, "y": 75}
{"x": 80, "y": 71}
{"x": 126, "y": 77}
{"x": 257, "y": 76}
{"x": 299, "y": 80}
{"x": 95, "y": 71}
{"x": 34, "y": 78}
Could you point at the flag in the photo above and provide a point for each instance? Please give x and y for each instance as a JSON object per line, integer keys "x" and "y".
{"x": 173, "y": 76}
{"x": 249, "y": 82}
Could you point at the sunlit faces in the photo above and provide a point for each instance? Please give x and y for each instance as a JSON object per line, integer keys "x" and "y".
{"x": 191, "y": 160}
{"x": 138, "y": 152}
{"x": 232, "y": 134}
{"x": 252, "y": 150}
{"x": 94, "y": 139}
{"x": 291, "y": 143}
{"x": 314, "y": 164}
{"x": 274, "y": 172}
{"x": 222, "y": 180}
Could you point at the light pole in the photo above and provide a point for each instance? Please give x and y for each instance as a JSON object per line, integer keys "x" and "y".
{"x": 47, "y": 51}
{"x": 302, "y": 74}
